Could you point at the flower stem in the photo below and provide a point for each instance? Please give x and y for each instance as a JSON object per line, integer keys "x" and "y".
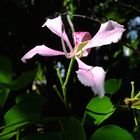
{"x": 58, "y": 93}
{"x": 64, "y": 87}
{"x": 135, "y": 118}
{"x": 59, "y": 76}
{"x": 18, "y": 133}
{"x": 132, "y": 91}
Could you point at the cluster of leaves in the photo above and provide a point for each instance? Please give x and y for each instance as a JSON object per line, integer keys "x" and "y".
{"x": 27, "y": 114}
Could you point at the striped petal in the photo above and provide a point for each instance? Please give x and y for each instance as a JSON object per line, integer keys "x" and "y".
{"x": 79, "y": 38}
{"x": 41, "y": 50}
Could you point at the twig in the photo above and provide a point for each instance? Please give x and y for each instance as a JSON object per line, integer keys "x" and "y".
{"x": 80, "y": 16}
{"x": 58, "y": 93}
{"x": 70, "y": 23}
{"x": 128, "y": 6}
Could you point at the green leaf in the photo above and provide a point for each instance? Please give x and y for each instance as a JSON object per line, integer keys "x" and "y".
{"x": 11, "y": 130}
{"x": 112, "y": 85}
{"x": 5, "y": 70}
{"x": 3, "y": 96}
{"x": 40, "y": 74}
{"x": 28, "y": 109}
{"x": 7, "y": 135}
{"x": 134, "y": 44}
{"x": 111, "y": 132}
{"x": 113, "y": 15}
{"x": 39, "y": 136}
{"x": 99, "y": 109}
{"x": 23, "y": 80}
{"x": 32, "y": 97}
{"x": 117, "y": 53}
{"x": 72, "y": 129}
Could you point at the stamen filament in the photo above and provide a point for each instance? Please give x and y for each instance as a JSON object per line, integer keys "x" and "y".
{"x": 63, "y": 45}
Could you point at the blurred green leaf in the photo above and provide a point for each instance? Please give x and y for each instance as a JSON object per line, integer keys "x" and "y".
{"x": 113, "y": 15}
{"x": 39, "y": 136}
{"x": 72, "y": 129}
{"x": 40, "y": 74}
{"x": 99, "y": 109}
{"x": 5, "y": 70}
{"x": 112, "y": 85}
{"x": 11, "y": 130}
{"x": 28, "y": 109}
{"x": 3, "y": 96}
{"x": 31, "y": 97}
{"x": 111, "y": 132}
{"x": 117, "y": 53}
{"x": 23, "y": 80}
{"x": 135, "y": 43}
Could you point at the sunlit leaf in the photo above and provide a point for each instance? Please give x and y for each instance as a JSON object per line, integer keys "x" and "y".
{"x": 112, "y": 85}
{"x": 111, "y": 132}
{"x": 5, "y": 70}
{"x": 99, "y": 109}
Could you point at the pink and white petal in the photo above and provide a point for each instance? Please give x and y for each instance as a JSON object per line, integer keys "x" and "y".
{"x": 82, "y": 65}
{"x": 41, "y": 50}
{"x": 93, "y": 77}
{"x": 81, "y": 37}
{"x": 56, "y": 25}
{"x": 98, "y": 81}
{"x": 109, "y": 32}
{"x": 85, "y": 77}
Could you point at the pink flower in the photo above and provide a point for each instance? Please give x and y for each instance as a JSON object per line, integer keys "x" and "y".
{"x": 109, "y": 32}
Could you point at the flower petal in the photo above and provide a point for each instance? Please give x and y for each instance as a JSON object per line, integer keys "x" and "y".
{"x": 81, "y": 37}
{"x": 109, "y": 32}
{"x": 93, "y": 77}
{"x": 41, "y": 50}
{"x": 56, "y": 26}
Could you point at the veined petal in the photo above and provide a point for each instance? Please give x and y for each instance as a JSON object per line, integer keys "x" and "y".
{"x": 57, "y": 27}
{"x": 93, "y": 77}
{"x": 109, "y": 32}
{"x": 41, "y": 50}
{"x": 81, "y": 37}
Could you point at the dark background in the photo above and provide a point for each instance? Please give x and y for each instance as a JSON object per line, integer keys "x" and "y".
{"x": 20, "y": 30}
